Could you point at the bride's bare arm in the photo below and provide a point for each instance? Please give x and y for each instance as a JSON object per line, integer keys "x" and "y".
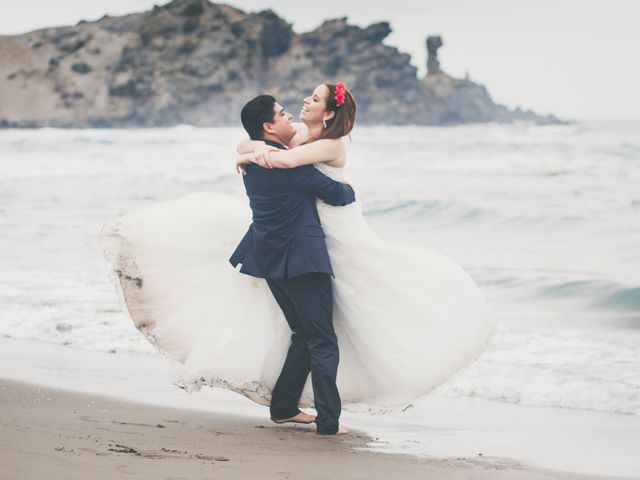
{"x": 325, "y": 150}
{"x": 247, "y": 145}
{"x": 301, "y": 136}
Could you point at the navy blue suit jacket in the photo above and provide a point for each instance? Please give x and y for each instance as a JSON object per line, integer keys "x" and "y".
{"x": 286, "y": 239}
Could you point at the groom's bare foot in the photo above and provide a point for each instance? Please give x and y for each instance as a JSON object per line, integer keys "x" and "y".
{"x": 299, "y": 418}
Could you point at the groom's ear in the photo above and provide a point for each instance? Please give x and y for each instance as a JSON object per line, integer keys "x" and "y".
{"x": 267, "y": 127}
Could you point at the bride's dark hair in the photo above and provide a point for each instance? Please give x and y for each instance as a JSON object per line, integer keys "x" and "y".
{"x": 345, "y": 115}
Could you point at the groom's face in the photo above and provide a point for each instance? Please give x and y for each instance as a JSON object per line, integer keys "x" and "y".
{"x": 281, "y": 127}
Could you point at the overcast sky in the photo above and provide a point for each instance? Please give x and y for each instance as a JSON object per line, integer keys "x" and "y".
{"x": 573, "y": 58}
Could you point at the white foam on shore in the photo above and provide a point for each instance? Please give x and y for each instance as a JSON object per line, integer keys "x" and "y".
{"x": 562, "y": 439}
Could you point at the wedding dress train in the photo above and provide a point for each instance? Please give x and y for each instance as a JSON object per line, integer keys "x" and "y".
{"x": 406, "y": 317}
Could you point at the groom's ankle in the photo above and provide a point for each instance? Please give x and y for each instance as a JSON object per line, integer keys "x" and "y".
{"x": 327, "y": 430}
{"x": 278, "y": 414}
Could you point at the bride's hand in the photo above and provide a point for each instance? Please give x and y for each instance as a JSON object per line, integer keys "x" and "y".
{"x": 242, "y": 160}
{"x": 261, "y": 155}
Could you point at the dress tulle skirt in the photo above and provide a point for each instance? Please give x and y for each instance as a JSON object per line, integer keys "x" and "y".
{"x": 407, "y": 318}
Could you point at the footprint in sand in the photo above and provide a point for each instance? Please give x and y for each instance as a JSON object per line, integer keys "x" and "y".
{"x": 165, "y": 453}
{"x": 157, "y": 425}
{"x": 87, "y": 418}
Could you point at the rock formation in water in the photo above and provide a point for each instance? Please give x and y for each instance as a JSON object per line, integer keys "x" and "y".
{"x": 195, "y": 62}
{"x": 433, "y": 65}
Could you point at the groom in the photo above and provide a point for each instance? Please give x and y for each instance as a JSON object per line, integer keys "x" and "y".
{"x": 285, "y": 245}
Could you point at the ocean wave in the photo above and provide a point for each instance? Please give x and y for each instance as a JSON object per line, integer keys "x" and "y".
{"x": 19, "y": 141}
{"x": 623, "y": 298}
{"x": 569, "y": 369}
{"x": 630, "y": 149}
{"x": 598, "y": 293}
{"x": 452, "y": 212}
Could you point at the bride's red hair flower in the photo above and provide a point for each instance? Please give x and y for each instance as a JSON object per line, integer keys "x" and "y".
{"x": 341, "y": 88}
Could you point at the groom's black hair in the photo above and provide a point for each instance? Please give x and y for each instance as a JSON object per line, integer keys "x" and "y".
{"x": 257, "y": 111}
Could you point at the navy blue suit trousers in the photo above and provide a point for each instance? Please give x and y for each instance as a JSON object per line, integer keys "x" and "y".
{"x": 307, "y": 303}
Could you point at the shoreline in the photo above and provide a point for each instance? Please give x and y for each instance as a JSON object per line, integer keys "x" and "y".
{"x": 56, "y": 399}
{"x": 47, "y": 430}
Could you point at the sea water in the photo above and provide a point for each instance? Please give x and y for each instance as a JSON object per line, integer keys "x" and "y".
{"x": 545, "y": 219}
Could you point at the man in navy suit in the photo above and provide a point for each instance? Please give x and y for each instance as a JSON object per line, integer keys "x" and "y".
{"x": 285, "y": 245}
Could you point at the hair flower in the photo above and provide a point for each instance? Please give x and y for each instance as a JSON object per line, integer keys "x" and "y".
{"x": 341, "y": 89}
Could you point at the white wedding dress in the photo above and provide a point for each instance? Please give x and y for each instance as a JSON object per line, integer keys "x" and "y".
{"x": 407, "y": 318}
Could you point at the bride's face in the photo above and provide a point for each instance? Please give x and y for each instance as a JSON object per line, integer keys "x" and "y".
{"x": 314, "y": 106}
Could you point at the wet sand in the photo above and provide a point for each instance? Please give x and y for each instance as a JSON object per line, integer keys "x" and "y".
{"x": 47, "y": 432}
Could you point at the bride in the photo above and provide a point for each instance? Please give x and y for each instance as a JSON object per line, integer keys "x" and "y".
{"x": 406, "y": 317}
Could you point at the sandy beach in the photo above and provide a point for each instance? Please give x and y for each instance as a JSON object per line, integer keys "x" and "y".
{"x": 47, "y": 431}
{"x": 75, "y": 413}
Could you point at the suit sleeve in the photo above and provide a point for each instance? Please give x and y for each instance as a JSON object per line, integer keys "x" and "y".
{"x": 309, "y": 179}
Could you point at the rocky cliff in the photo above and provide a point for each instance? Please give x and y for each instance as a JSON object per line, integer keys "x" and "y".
{"x": 195, "y": 62}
